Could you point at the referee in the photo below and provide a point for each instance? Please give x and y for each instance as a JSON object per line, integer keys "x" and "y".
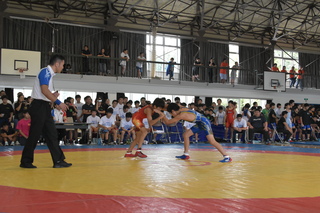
{"x": 41, "y": 120}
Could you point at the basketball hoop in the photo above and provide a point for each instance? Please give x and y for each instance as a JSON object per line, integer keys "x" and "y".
{"x": 21, "y": 71}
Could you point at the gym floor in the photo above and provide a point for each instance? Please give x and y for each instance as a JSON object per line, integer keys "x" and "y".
{"x": 261, "y": 178}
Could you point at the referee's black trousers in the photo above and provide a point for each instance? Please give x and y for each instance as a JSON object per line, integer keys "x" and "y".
{"x": 42, "y": 124}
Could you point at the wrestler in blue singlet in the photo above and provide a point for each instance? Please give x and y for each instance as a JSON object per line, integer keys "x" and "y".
{"x": 201, "y": 122}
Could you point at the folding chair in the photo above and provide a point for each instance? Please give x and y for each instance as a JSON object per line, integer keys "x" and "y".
{"x": 159, "y": 129}
{"x": 173, "y": 129}
{"x": 276, "y": 133}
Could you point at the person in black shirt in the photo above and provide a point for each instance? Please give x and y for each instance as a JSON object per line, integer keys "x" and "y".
{"x": 8, "y": 135}
{"x": 102, "y": 62}
{"x": 100, "y": 108}
{"x": 305, "y": 121}
{"x": 258, "y": 124}
{"x": 71, "y": 114}
{"x": 211, "y": 69}
{"x": 85, "y": 62}
{"x": 284, "y": 127}
{"x": 6, "y": 111}
{"x": 208, "y": 115}
{"x": 87, "y": 108}
{"x": 195, "y": 69}
{"x": 272, "y": 118}
{"x": 19, "y": 107}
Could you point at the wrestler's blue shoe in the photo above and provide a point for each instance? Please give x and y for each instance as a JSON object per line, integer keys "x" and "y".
{"x": 226, "y": 159}
{"x": 183, "y": 157}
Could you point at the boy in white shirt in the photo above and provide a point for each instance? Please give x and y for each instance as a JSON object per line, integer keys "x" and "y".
{"x": 93, "y": 120}
{"x": 127, "y": 126}
{"x": 239, "y": 126}
{"x": 220, "y": 115}
{"x": 136, "y": 107}
{"x": 107, "y": 123}
{"x": 122, "y": 113}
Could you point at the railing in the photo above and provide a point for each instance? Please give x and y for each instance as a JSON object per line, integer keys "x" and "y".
{"x": 182, "y": 72}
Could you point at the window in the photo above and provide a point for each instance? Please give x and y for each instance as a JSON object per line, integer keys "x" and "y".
{"x": 286, "y": 58}
{"x": 166, "y": 47}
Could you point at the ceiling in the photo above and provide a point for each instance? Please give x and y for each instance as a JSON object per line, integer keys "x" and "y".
{"x": 292, "y": 24}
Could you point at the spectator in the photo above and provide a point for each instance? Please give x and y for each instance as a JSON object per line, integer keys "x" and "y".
{"x": 69, "y": 69}
{"x": 219, "y": 102}
{"x": 208, "y": 114}
{"x": 289, "y": 119}
{"x": 292, "y": 76}
{"x": 123, "y": 63}
{"x": 212, "y": 65}
{"x": 272, "y": 118}
{"x": 284, "y": 69}
{"x": 78, "y": 106}
{"x": 87, "y": 108}
{"x": 93, "y": 120}
{"x": 234, "y": 71}
{"x": 284, "y": 127}
{"x": 8, "y": 135}
{"x": 71, "y": 114}
{"x": 107, "y": 123}
{"x": 3, "y": 93}
{"x": 278, "y": 110}
{"x": 102, "y": 62}
{"x": 101, "y": 111}
{"x": 23, "y": 128}
{"x": 258, "y": 124}
{"x": 129, "y": 104}
{"x": 143, "y": 102}
{"x": 106, "y": 104}
{"x": 177, "y": 100}
{"x": 246, "y": 114}
{"x": 300, "y": 78}
{"x": 123, "y": 112}
{"x": 136, "y": 107}
{"x": 239, "y": 127}
{"x": 120, "y": 104}
{"x": 223, "y": 70}
{"x": 195, "y": 69}
{"x": 115, "y": 109}
{"x": 170, "y": 69}
{"x": 19, "y": 107}
{"x": 127, "y": 126}
{"x": 59, "y": 116}
{"x": 220, "y": 115}
{"x": 265, "y": 112}
{"x": 139, "y": 64}
{"x": 305, "y": 121}
{"x": 275, "y": 68}
{"x": 6, "y": 111}
{"x": 125, "y": 100}
{"x": 229, "y": 118}
{"x": 85, "y": 62}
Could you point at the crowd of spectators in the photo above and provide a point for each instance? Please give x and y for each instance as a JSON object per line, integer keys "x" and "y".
{"x": 113, "y": 121}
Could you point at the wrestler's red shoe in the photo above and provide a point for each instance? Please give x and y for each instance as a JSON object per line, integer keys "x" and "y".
{"x": 129, "y": 154}
{"x": 140, "y": 154}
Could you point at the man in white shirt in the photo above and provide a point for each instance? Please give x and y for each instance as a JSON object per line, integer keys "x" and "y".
{"x": 220, "y": 115}
{"x": 123, "y": 63}
{"x": 136, "y": 107}
{"x": 41, "y": 119}
{"x": 93, "y": 120}
{"x": 239, "y": 127}
{"x": 139, "y": 64}
{"x": 127, "y": 126}
{"x": 79, "y": 105}
{"x": 278, "y": 111}
{"x": 107, "y": 123}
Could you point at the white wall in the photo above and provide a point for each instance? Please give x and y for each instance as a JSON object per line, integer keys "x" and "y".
{"x": 112, "y": 85}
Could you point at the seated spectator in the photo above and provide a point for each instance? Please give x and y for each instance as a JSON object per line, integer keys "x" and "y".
{"x": 107, "y": 123}
{"x": 127, "y": 126}
{"x": 315, "y": 127}
{"x": 6, "y": 110}
{"x": 93, "y": 120}
{"x": 246, "y": 114}
{"x": 122, "y": 113}
{"x": 129, "y": 104}
{"x": 100, "y": 109}
{"x": 258, "y": 124}
{"x": 19, "y": 107}
{"x": 8, "y": 135}
{"x": 239, "y": 127}
{"x": 284, "y": 127}
{"x": 71, "y": 114}
{"x": 2, "y": 94}
{"x": 59, "y": 116}
{"x": 136, "y": 107}
{"x": 23, "y": 127}
{"x": 115, "y": 109}
{"x": 208, "y": 114}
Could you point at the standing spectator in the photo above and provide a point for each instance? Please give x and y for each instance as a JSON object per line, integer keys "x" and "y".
{"x": 278, "y": 111}
{"x": 41, "y": 119}
{"x": 87, "y": 108}
{"x": 292, "y": 76}
{"x": 19, "y": 107}
{"x": 195, "y": 69}
{"x": 139, "y": 64}
{"x": 23, "y": 127}
{"x": 8, "y": 135}
{"x": 93, "y": 120}
{"x": 220, "y": 115}
{"x": 284, "y": 69}
{"x": 284, "y": 127}
{"x": 85, "y": 61}
{"x": 123, "y": 63}
{"x": 239, "y": 127}
{"x": 246, "y": 114}
{"x": 102, "y": 62}
{"x": 300, "y": 78}
{"x": 143, "y": 102}
{"x": 6, "y": 111}
{"x": 275, "y": 68}
{"x": 219, "y": 102}
{"x": 71, "y": 114}
{"x": 212, "y": 65}
{"x": 265, "y": 112}
{"x": 101, "y": 111}
{"x": 170, "y": 69}
{"x": 258, "y": 124}
{"x": 78, "y": 106}
{"x": 272, "y": 118}
{"x": 234, "y": 71}
{"x": 305, "y": 121}
{"x": 223, "y": 70}
{"x": 289, "y": 119}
